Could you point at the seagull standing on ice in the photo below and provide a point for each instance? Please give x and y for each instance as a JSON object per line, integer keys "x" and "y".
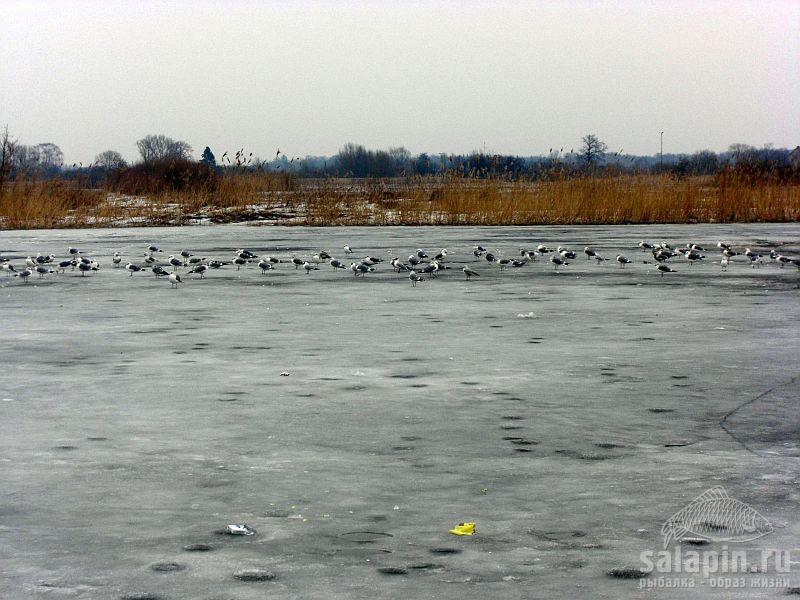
{"x": 200, "y": 270}
{"x": 175, "y": 279}
{"x": 132, "y": 268}
{"x": 85, "y": 268}
{"x": 67, "y": 263}
{"x": 347, "y": 250}
{"x": 24, "y": 274}
{"x": 724, "y": 263}
{"x": 662, "y": 255}
{"x": 309, "y": 267}
{"x": 469, "y": 273}
{"x": 750, "y": 254}
{"x": 664, "y": 269}
{"x": 431, "y": 269}
{"x": 8, "y": 268}
{"x": 557, "y": 262}
{"x": 623, "y": 260}
{"x": 336, "y": 264}
{"x": 693, "y": 256}
{"x": 175, "y": 262}
{"x": 414, "y": 278}
{"x": 398, "y": 265}
{"x": 42, "y": 271}
{"x": 242, "y": 253}
{"x": 265, "y": 266}
{"x": 360, "y": 269}
{"x": 117, "y": 259}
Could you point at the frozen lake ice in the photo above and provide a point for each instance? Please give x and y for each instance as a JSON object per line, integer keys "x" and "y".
{"x": 569, "y": 414}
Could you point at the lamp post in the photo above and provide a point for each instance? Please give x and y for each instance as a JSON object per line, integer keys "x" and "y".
{"x": 661, "y": 161}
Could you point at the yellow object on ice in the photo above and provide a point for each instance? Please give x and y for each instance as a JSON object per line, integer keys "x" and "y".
{"x": 463, "y": 529}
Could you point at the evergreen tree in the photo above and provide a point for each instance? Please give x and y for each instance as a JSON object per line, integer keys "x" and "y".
{"x": 208, "y": 158}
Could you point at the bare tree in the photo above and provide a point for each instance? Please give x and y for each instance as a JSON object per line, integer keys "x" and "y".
{"x": 48, "y": 155}
{"x": 158, "y": 147}
{"x": 110, "y": 160}
{"x": 353, "y": 160}
{"x": 401, "y": 157}
{"x": 742, "y": 151}
{"x": 7, "y": 149}
{"x": 180, "y": 149}
{"x": 24, "y": 158}
{"x": 593, "y": 149}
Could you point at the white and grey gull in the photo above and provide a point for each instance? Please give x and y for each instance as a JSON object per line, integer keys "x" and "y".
{"x": 469, "y": 272}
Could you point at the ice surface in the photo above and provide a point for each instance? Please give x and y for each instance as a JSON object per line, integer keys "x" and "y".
{"x": 568, "y": 414}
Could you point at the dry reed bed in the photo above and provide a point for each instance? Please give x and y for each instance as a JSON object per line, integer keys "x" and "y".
{"x": 620, "y": 200}
{"x": 428, "y": 201}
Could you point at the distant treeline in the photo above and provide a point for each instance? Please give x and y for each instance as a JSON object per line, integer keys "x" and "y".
{"x": 174, "y": 161}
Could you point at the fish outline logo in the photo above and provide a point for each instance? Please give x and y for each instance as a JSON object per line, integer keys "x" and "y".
{"x": 715, "y": 516}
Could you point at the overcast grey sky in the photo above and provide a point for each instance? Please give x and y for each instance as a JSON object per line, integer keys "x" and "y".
{"x": 431, "y": 75}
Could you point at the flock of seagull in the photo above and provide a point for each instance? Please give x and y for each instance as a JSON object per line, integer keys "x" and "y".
{"x": 418, "y": 265}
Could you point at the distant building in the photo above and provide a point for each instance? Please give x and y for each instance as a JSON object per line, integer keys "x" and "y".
{"x": 794, "y": 157}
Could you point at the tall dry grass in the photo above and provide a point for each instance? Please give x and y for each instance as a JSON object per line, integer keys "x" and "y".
{"x": 41, "y": 204}
{"x": 234, "y": 196}
{"x": 449, "y": 200}
{"x": 587, "y": 200}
